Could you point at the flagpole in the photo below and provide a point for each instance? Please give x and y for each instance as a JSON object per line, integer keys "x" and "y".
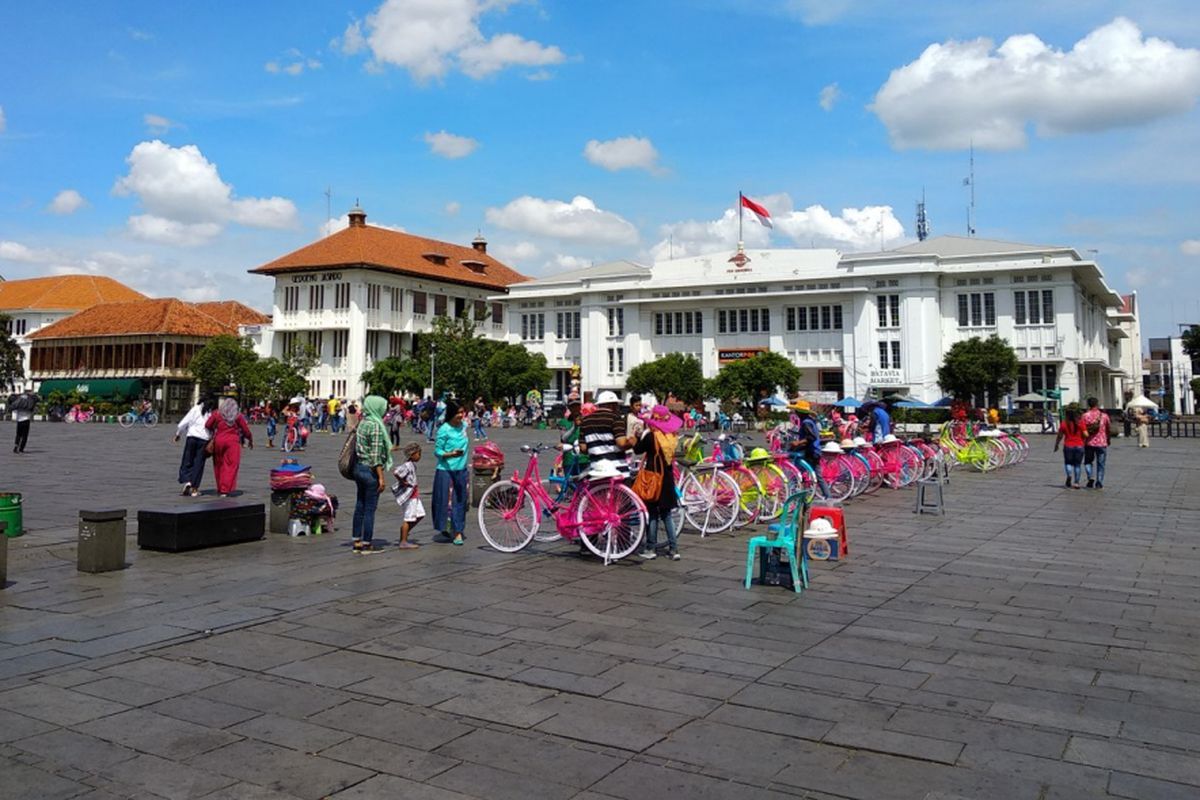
{"x": 740, "y": 209}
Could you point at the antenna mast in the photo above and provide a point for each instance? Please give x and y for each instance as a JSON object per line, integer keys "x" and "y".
{"x": 970, "y": 181}
{"x": 922, "y": 220}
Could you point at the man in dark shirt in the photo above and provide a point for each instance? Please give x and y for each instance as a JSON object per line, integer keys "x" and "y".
{"x": 600, "y": 430}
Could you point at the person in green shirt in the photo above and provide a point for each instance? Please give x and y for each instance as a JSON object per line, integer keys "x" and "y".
{"x": 373, "y": 450}
{"x": 450, "y": 477}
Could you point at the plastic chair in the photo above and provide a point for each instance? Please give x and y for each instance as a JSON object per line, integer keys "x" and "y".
{"x": 787, "y": 531}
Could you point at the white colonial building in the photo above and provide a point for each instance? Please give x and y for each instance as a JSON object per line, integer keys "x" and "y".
{"x": 859, "y": 323}
{"x": 365, "y": 293}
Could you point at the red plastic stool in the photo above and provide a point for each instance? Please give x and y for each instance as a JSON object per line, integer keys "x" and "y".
{"x": 838, "y": 520}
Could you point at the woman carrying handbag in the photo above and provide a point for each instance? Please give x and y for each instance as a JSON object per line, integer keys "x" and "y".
{"x": 655, "y": 482}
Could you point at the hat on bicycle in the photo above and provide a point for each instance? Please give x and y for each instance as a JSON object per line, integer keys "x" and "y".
{"x": 663, "y": 421}
{"x": 848, "y": 444}
{"x": 831, "y": 447}
{"x": 607, "y": 397}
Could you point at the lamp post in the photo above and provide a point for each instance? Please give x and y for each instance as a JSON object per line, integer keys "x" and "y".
{"x": 432, "y": 357}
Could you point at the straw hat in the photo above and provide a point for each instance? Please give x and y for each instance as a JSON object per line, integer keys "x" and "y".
{"x": 803, "y": 406}
{"x": 848, "y": 444}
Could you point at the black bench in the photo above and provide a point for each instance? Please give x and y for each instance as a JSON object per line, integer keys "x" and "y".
{"x": 190, "y": 527}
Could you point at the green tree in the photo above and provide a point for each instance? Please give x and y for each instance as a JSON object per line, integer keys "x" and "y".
{"x": 1191, "y": 342}
{"x": 674, "y": 373}
{"x": 751, "y": 379}
{"x": 978, "y": 370}
{"x": 397, "y": 374}
{"x": 512, "y": 371}
{"x": 12, "y": 359}
{"x": 221, "y": 362}
{"x": 269, "y": 379}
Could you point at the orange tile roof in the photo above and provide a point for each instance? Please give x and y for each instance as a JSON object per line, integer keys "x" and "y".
{"x": 231, "y": 313}
{"x": 164, "y": 316}
{"x": 63, "y": 292}
{"x": 394, "y": 251}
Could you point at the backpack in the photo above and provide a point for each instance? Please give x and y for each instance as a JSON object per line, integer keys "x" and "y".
{"x": 348, "y": 458}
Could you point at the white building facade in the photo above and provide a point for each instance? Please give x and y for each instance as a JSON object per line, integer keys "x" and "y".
{"x": 855, "y": 324}
{"x": 365, "y": 293}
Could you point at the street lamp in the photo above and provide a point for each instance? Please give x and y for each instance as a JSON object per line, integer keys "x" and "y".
{"x": 432, "y": 357}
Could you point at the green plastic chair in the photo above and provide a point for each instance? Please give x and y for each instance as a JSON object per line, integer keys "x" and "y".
{"x": 787, "y": 532}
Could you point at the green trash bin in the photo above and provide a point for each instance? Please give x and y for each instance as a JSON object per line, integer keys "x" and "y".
{"x": 10, "y": 512}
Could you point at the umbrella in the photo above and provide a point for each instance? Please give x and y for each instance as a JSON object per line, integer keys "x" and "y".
{"x": 1141, "y": 401}
{"x": 1031, "y": 397}
{"x": 774, "y": 402}
{"x": 912, "y": 404}
{"x": 848, "y": 402}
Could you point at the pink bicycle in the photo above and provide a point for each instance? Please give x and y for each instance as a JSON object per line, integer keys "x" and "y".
{"x": 601, "y": 510}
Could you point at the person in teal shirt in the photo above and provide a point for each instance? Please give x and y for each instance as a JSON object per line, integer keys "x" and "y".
{"x": 450, "y": 477}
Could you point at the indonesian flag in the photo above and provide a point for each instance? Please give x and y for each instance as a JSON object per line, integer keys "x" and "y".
{"x": 763, "y": 215}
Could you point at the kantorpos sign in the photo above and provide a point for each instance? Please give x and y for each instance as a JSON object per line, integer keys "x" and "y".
{"x": 727, "y": 354}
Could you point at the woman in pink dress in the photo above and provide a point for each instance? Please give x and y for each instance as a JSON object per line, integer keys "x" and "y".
{"x": 228, "y": 428}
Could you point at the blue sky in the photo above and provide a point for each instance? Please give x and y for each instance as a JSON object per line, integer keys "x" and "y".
{"x": 175, "y": 151}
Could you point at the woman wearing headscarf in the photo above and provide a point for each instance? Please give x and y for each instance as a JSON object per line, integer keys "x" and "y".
{"x": 228, "y": 429}
{"x": 657, "y": 443}
{"x": 373, "y": 449}
{"x": 191, "y": 466}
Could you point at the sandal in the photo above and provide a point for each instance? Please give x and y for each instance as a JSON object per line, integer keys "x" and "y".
{"x": 458, "y": 540}
{"x": 408, "y": 546}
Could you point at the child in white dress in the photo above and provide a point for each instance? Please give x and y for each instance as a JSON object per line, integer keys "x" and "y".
{"x": 407, "y": 495}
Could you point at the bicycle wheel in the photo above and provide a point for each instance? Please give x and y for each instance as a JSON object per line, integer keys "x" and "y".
{"x": 774, "y": 491}
{"x": 710, "y": 501}
{"x": 289, "y": 441}
{"x": 560, "y": 492}
{"x": 127, "y": 419}
{"x": 611, "y": 520}
{"x": 151, "y": 419}
{"x": 750, "y": 496}
{"x": 507, "y": 517}
{"x": 838, "y": 478}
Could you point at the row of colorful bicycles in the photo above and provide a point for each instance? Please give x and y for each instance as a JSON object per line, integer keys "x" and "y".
{"x": 720, "y": 486}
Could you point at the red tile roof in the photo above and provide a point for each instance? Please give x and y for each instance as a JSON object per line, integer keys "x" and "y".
{"x": 164, "y": 316}
{"x": 394, "y": 251}
{"x": 231, "y": 313}
{"x": 63, "y": 292}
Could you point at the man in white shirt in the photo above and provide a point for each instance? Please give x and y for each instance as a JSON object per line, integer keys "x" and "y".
{"x": 191, "y": 467}
{"x": 22, "y": 410}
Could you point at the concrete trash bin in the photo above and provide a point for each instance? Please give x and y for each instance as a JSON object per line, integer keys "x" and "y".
{"x": 101, "y": 540}
{"x": 481, "y": 479}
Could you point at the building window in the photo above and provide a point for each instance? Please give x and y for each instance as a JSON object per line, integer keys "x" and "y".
{"x": 616, "y": 360}
{"x": 373, "y": 292}
{"x": 888, "y": 308}
{"x": 568, "y": 324}
{"x": 1047, "y": 305}
{"x": 373, "y": 344}
{"x": 533, "y": 327}
{"x": 813, "y": 318}
{"x": 20, "y": 328}
{"x": 460, "y": 307}
{"x": 395, "y": 345}
{"x": 341, "y": 296}
{"x": 1033, "y": 307}
{"x": 439, "y": 305}
{"x": 418, "y": 302}
{"x": 291, "y": 298}
{"x": 678, "y": 323}
{"x": 616, "y": 322}
{"x": 497, "y": 313}
{"x": 341, "y": 343}
{"x": 884, "y": 358}
{"x": 480, "y": 311}
{"x": 316, "y": 340}
{"x": 316, "y": 298}
{"x": 1036, "y": 377}
{"x": 895, "y": 355}
{"x": 397, "y": 299}
{"x": 743, "y": 320}
{"x": 289, "y": 341}
{"x": 976, "y": 309}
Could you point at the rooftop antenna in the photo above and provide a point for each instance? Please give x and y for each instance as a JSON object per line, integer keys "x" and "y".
{"x": 970, "y": 181}
{"x": 328, "y": 203}
{"x": 922, "y": 220}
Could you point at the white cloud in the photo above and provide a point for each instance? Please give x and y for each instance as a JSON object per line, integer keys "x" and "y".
{"x": 1190, "y": 247}
{"x": 854, "y": 229}
{"x": 453, "y": 207}
{"x": 296, "y": 67}
{"x": 430, "y": 37}
{"x": 578, "y": 221}
{"x": 3, "y": 122}
{"x": 158, "y": 125}
{"x": 449, "y": 145}
{"x": 962, "y": 91}
{"x": 627, "y": 152}
{"x": 185, "y": 200}
{"x": 817, "y": 12}
{"x": 15, "y": 251}
{"x": 829, "y": 96}
{"x": 68, "y": 201}
{"x": 515, "y": 254}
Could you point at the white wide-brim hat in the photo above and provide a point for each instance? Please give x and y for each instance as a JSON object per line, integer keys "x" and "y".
{"x": 889, "y": 439}
{"x": 821, "y": 528}
{"x": 847, "y": 444}
{"x": 831, "y": 447}
{"x": 605, "y": 469}
{"x": 989, "y": 434}
{"x": 607, "y": 397}
{"x": 861, "y": 442}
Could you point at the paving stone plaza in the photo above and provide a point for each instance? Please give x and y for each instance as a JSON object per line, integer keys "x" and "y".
{"x": 1033, "y": 643}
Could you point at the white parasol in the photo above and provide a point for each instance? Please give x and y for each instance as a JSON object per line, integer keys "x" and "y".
{"x": 1141, "y": 401}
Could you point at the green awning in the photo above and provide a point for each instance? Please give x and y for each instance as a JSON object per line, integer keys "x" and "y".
{"x": 94, "y": 387}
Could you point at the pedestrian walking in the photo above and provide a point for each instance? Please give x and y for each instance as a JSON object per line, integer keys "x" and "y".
{"x": 373, "y": 449}
{"x": 408, "y": 495}
{"x": 333, "y": 409}
{"x": 22, "y": 410}
{"x": 1142, "y": 421}
{"x": 228, "y": 428}
{"x": 450, "y": 477}
{"x": 655, "y": 482}
{"x": 1070, "y": 435}
{"x": 353, "y": 417}
{"x": 196, "y": 437}
{"x": 478, "y": 413}
{"x": 272, "y": 424}
{"x": 1098, "y": 429}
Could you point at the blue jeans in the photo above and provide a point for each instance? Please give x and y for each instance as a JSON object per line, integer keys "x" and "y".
{"x": 1100, "y": 456}
{"x": 652, "y": 533}
{"x": 365, "y": 502}
{"x": 1072, "y": 459}
{"x": 433, "y": 426}
{"x": 335, "y": 423}
{"x": 445, "y": 483}
{"x": 478, "y": 428}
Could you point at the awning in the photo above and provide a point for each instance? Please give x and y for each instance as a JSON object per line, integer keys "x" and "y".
{"x": 94, "y": 387}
